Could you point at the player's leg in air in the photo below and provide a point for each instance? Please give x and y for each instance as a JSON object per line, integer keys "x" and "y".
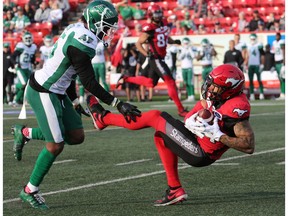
{"x": 162, "y": 70}
{"x": 168, "y": 145}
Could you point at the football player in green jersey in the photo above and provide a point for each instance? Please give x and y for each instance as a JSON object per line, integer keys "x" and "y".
{"x": 58, "y": 121}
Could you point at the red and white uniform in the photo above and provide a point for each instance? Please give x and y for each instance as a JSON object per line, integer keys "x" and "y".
{"x": 231, "y": 112}
{"x": 158, "y": 37}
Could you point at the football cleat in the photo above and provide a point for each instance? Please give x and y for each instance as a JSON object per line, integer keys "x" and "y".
{"x": 172, "y": 197}
{"x": 19, "y": 141}
{"x": 35, "y": 199}
{"x": 183, "y": 113}
{"x": 97, "y": 112}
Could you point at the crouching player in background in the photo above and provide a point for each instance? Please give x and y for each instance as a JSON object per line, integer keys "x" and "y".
{"x": 196, "y": 142}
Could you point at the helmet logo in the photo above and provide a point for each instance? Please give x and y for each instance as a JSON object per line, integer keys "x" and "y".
{"x": 240, "y": 112}
{"x": 234, "y": 82}
{"x": 104, "y": 11}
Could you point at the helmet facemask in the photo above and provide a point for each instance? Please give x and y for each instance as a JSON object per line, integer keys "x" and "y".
{"x": 105, "y": 31}
{"x": 48, "y": 42}
{"x": 211, "y": 91}
{"x": 28, "y": 39}
{"x": 157, "y": 16}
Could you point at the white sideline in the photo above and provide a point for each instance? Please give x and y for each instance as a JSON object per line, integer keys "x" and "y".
{"x": 141, "y": 175}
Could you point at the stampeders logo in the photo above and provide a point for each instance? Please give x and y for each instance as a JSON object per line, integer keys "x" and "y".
{"x": 183, "y": 142}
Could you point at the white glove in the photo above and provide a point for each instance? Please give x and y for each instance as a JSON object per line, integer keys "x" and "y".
{"x": 197, "y": 127}
{"x": 245, "y": 68}
{"x": 213, "y": 132}
{"x": 12, "y": 70}
{"x": 282, "y": 72}
{"x": 261, "y": 67}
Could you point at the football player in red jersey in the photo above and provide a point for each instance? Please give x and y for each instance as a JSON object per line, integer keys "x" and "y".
{"x": 156, "y": 34}
{"x": 197, "y": 143}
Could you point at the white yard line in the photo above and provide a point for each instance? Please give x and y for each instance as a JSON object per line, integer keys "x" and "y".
{"x": 64, "y": 161}
{"x": 281, "y": 163}
{"x": 133, "y": 162}
{"x": 143, "y": 175}
{"x": 225, "y": 164}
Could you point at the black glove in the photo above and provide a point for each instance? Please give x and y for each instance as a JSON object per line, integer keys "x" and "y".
{"x": 129, "y": 111}
{"x": 80, "y": 110}
{"x": 177, "y": 42}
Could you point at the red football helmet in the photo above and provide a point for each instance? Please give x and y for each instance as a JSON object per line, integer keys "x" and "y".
{"x": 224, "y": 82}
{"x": 155, "y": 12}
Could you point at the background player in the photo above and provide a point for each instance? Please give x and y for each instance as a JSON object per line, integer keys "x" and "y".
{"x": 223, "y": 94}
{"x": 99, "y": 66}
{"x": 254, "y": 60}
{"x": 45, "y": 50}
{"x": 157, "y": 35}
{"x": 186, "y": 57}
{"x": 278, "y": 47}
{"x": 59, "y": 123}
{"x": 205, "y": 54}
{"x": 23, "y": 59}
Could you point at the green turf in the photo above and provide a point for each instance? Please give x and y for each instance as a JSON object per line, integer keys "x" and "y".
{"x": 249, "y": 185}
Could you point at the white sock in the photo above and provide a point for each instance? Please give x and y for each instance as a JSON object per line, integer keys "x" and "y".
{"x": 31, "y": 188}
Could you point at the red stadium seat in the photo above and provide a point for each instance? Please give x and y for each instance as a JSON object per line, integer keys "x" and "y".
{"x": 265, "y": 3}
{"x": 240, "y": 3}
{"x": 22, "y": 3}
{"x": 145, "y": 5}
{"x": 45, "y": 28}
{"x": 73, "y": 5}
{"x": 279, "y": 2}
{"x": 227, "y": 3}
{"x": 172, "y": 5}
{"x": 209, "y": 23}
{"x": 180, "y": 14}
{"x": 38, "y": 38}
{"x": 34, "y": 27}
{"x": 251, "y": 3}
{"x": 199, "y": 21}
{"x": 225, "y": 21}
{"x": 167, "y": 13}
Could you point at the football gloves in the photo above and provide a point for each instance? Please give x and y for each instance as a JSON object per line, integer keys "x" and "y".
{"x": 202, "y": 128}
{"x": 129, "y": 111}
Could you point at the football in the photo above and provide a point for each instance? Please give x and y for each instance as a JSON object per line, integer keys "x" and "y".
{"x": 206, "y": 115}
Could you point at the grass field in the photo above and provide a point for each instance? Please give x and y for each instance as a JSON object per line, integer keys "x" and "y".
{"x": 118, "y": 172}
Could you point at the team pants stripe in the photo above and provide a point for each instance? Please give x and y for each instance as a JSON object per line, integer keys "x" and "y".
{"x": 21, "y": 77}
{"x": 160, "y": 67}
{"x": 51, "y": 117}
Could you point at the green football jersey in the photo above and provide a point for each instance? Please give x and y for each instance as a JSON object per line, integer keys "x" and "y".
{"x": 58, "y": 72}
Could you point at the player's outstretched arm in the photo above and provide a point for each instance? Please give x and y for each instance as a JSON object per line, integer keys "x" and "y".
{"x": 244, "y": 140}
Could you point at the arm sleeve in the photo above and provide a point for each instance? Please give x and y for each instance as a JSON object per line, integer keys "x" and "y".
{"x": 82, "y": 64}
{"x": 14, "y": 56}
{"x": 71, "y": 91}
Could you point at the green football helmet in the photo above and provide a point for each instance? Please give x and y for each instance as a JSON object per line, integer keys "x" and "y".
{"x": 253, "y": 36}
{"x": 27, "y": 38}
{"x": 186, "y": 40}
{"x": 205, "y": 42}
{"x": 48, "y": 41}
{"x": 101, "y": 18}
